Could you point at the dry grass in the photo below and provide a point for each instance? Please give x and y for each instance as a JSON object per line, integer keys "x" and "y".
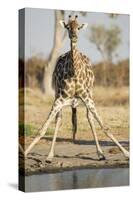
{"x": 112, "y": 105}
{"x": 104, "y": 96}
{"x": 111, "y": 96}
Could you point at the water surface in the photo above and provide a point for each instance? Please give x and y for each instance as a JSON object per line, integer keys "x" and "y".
{"x": 76, "y": 179}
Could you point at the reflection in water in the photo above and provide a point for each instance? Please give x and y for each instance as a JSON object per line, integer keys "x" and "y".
{"x": 86, "y": 178}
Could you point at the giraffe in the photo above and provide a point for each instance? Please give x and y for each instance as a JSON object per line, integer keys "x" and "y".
{"x": 73, "y": 78}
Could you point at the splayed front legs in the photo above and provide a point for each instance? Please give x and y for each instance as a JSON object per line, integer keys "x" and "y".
{"x": 58, "y": 123}
{"x": 91, "y": 114}
{"x": 57, "y": 106}
{"x": 91, "y": 122}
{"x": 91, "y": 107}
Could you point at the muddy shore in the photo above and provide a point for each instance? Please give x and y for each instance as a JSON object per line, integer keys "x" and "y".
{"x": 69, "y": 156}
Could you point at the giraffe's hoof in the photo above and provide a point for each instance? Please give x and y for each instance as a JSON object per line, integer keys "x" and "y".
{"x": 48, "y": 159}
{"x": 102, "y": 157}
{"x": 127, "y": 154}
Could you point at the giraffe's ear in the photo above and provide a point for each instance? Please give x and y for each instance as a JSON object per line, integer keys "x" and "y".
{"x": 84, "y": 26}
{"x": 62, "y": 23}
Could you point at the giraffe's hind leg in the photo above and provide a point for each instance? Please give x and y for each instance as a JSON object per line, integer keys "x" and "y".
{"x": 58, "y": 124}
{"x": 91, "y": 107}
{"x": 57, "y": 106}
{"x": 74, "y": 123}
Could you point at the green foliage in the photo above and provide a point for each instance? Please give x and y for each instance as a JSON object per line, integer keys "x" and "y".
{"x": 29, "y": 129}
{"x": 26, "y": 129}
{"x": 50, "y": 131}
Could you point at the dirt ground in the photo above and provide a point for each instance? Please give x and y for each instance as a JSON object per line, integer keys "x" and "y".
{"x": 82, "y": 154}
{"x": 72, "y": 156}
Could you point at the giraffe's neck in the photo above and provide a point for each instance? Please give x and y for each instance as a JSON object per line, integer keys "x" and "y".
{"x": 74, "y": 52}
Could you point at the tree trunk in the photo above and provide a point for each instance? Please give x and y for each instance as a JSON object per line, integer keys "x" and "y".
{"x": 104, "y": 73}
{"x": 57, "y": 44}
{"x": 47, "y": 81}
{"x": 104, "y": 81}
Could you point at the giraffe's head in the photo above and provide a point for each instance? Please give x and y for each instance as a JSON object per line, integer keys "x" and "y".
{"x": 73, "y": 27}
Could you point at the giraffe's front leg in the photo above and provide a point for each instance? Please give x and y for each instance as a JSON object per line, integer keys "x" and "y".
{"x": 57, "y": 106}
{"x": 92, "y": 109}
{"x": 58, "y": 123}
{"x": 91, "y": 122}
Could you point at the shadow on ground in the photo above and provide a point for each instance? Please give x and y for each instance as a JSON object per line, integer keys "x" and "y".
{"x": 85, "y": 142}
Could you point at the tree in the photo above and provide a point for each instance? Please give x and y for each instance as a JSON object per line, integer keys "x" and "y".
{"x": 98, "y": 37}
{"x": 106, "y": 41}
{"x": 58, "y": 42}
{"x": 59, "y": 39}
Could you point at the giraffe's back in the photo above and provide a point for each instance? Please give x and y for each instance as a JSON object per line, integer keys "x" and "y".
{"x": 73, "y": 78}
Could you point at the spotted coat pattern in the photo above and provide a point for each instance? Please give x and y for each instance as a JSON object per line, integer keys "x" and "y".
{"x": 73, "y": 75}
